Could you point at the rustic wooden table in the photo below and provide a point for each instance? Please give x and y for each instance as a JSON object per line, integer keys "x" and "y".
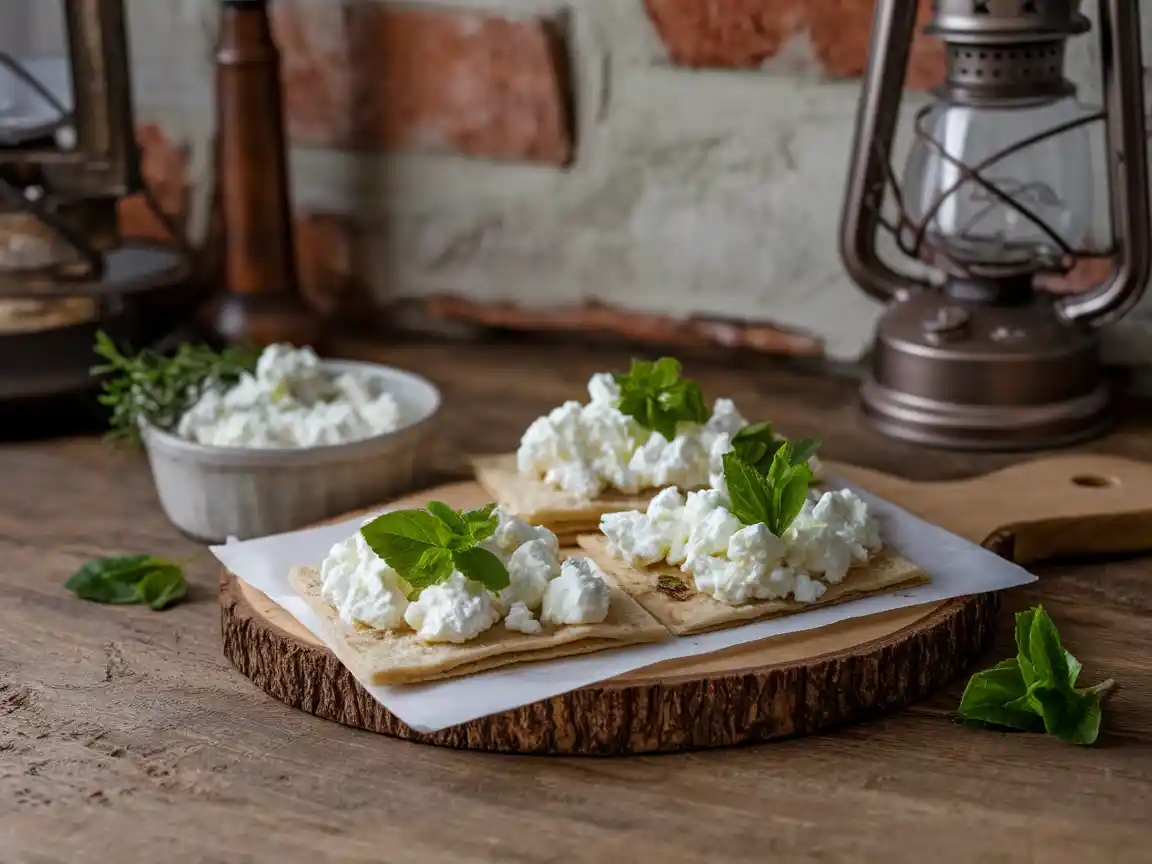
{"x": 126, "y": 737}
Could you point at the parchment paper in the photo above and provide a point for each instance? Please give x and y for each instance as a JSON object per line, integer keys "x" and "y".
{"x": 956, "y": 566}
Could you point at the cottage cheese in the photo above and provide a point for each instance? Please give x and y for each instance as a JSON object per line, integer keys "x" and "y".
{"x": 521, "y": 620}
{"x": 735, "y": 563}
{"x": 291, "y": 401}
{"x": 585, "y": 449}
{"x": 455, "y": 610}
{"x": 579, "y": 595}
{"x": 365, "y": 591}
{"x": 361, "y": 586}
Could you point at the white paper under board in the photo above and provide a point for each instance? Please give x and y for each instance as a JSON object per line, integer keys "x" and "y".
{"x": 957, "y": 568}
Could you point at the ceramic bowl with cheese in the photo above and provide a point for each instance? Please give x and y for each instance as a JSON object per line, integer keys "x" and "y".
{"x": 297, "y": 441}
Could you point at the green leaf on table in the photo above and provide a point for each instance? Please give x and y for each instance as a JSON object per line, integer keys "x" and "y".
{"x": 162, "y": 587}
{"x": 1035, "y": 691}
{"x": 656, "y": 396}
{"x": 126, "y": 579}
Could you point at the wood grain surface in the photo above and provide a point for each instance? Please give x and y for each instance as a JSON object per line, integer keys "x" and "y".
{"x": 126, "y": 736}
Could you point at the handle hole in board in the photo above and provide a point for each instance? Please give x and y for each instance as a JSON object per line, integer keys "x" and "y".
{"x": 1094, "y": 481}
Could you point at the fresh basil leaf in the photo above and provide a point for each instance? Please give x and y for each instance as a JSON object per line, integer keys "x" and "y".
{"x": 452, "y": 520}
{"x": 657, "y": 398}
{"x": 162, "y": 587}
{"x": 665, "y": 372}
{"x": 749, "y": 494}
{"x": 482, "y": 522}
{"x": 1073, "y": 668}
{"x": 434, "y": 566}
{"x": 1024, "y": 633}
{"x": 755, "y": 432}
{"x": 1046, "y": 653}
{"x": 482, "y": 566}
{"x": 114, "y": 579}
{"x": 804, "y": 449}
{"x": 791, "y": 497}
{"x": 989, "y": 698}
{"x": 403, "y": 536}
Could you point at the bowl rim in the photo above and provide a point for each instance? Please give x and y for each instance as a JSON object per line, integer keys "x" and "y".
{"x": 175, "y": 444}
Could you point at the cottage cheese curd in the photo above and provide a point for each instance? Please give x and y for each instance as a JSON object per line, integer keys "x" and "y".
{"x": 365, "y": 591}
{"x": 579, "y": 595}
{"x": 735, "y": 563}
{"x": 585, "y": 449}
{"x": 291, "y": 401}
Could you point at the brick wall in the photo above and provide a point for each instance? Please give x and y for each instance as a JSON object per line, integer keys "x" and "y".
{"x": 666, "y": 168}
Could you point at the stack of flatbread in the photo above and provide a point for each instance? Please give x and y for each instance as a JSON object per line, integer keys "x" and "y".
{"x": 565, "y": 514}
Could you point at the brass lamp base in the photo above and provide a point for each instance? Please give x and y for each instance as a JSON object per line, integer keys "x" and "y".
{"x": 960, "y": 373}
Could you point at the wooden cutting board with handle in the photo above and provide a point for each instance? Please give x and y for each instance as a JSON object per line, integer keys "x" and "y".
{"x": 785, "y": 686}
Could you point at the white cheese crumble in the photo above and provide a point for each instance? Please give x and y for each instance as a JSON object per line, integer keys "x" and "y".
{"x": 291, "y": 401}
{"x": 579, "y": 595}
{"x": 455, "y": 610}
{"x": 521, "y": 619}
{"x": 365, "y": 591}
{"x": 585, "y": 449}
{"x": 735, "y": 563}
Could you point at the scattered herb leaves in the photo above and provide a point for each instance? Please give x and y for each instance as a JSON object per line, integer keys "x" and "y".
{"x": 674, "y": 587}
{"x": 774, "y": 497}
{"x": 125, "y": 579}
{"x": 757, "y": 445}
{"x": 426, "y": 546}
{"x": 158, "y": 389}
{"x": 656, "y": 396}
{"x": 1035, "y": 691}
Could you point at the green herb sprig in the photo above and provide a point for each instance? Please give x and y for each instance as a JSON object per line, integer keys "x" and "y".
{"x": 425, "y": 546}
{"x": 123, "y": 579}
{"x": 758, "y": 445}
{"x": 774, "y": 497}
{"x": 158, "y": 389}
{"x": 657, "y": 397}
{"x": 1036, "y": 691}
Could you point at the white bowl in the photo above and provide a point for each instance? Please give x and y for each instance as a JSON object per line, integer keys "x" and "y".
{"x": 212, "y": 493}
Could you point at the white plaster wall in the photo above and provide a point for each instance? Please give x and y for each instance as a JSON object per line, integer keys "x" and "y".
{"x": 692, "y": 192}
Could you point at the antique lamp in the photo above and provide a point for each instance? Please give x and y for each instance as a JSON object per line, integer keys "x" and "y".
{"x": 997, "y": 196}
{"x": 67, "y": 155}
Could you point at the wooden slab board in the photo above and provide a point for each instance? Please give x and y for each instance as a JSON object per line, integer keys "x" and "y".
{"x": 790, "y": 685}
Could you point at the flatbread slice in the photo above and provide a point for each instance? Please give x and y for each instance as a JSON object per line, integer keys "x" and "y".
{"x": 700, "y": 613}
{"x": 386, "y": 657}
{"x": 565, "y": 514}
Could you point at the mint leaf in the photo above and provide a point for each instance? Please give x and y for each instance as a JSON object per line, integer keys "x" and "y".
{"x": 162, "y": 587}
{"x": 804, "y": 449}
{"x": 1036, "y": 690}
{"x": 747, "y": 491}
{"x": 658, "y": 398}
{"x": 989, "y": 697}
{"x": 452, "y": 520}
{"x": 484, "y": 567}
{"x": 117, "y": 579}
{"x": 482, "y": 522}
{"x": 435, "y": 565}
{"x": 403, "y": 536}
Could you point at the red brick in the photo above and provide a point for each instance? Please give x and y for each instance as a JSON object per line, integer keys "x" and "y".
{"x": 165, "y": 169}
{"x": 745, "y": 34}
{"x": 372, "y": 77}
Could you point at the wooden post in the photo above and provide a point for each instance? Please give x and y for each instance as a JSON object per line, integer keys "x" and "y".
{"x": 262, "y": 302}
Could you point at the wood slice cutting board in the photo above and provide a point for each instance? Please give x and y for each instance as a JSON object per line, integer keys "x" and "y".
{"x": 789, "y": 685}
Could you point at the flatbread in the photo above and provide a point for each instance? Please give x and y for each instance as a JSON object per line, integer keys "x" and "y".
{"x": 565, "y": 514}
{"x": 701, "y": 613}
{"x": 386, "y": 657}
